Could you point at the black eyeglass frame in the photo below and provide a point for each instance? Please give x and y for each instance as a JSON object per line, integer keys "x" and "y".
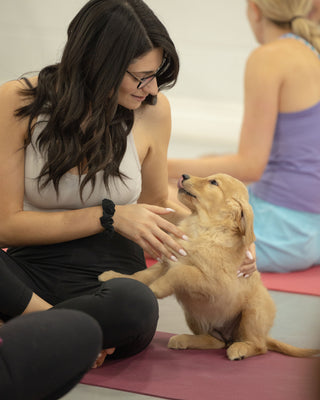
{"x": 143, "y": 82}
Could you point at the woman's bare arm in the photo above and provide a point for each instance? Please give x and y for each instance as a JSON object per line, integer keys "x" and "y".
{"x": 262, "y": 86}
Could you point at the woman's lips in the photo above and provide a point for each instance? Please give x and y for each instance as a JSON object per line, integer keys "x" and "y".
{"x": 139, "y": 98}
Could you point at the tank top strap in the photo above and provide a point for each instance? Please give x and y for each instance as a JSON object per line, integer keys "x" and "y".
{"x": 301, "y": 39}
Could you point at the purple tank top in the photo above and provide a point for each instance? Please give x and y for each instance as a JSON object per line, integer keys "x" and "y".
{"x": 292, "y": 176}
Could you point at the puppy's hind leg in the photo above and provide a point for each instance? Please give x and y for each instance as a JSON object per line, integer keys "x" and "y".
{"x": 201, "y": 342}
{"x": 255, "y": 324}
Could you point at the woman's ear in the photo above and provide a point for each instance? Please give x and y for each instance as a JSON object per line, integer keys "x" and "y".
{"x": 255, "y": 11}
{"x": 244, "y": 219}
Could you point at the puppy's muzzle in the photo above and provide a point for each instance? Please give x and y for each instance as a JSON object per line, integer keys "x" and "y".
{"x": 180, "y": 185}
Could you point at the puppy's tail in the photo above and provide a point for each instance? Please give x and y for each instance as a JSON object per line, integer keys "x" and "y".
{"x": 284, "y": 348}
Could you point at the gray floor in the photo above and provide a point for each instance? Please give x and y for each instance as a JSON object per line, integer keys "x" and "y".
{"x": 297, "y": 323}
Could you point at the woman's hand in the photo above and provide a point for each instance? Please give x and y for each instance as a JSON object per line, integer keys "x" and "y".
{"x": 249, "y": 265}
{"x": 143, "y": 224}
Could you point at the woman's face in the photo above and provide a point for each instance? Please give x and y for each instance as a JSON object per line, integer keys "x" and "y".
{"x": 129, "y": 95}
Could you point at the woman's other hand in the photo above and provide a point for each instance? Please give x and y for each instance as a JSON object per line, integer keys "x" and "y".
{"x": 143, "y": 224}
{"x": 249, "y": 265}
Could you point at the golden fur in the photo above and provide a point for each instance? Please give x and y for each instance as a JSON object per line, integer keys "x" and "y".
{"x": 221, "y": 309}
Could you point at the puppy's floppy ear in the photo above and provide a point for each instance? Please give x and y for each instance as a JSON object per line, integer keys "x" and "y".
{"x": 245, "y": 221}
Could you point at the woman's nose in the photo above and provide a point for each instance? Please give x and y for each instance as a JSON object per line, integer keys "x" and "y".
{"x": 152, "y": 87}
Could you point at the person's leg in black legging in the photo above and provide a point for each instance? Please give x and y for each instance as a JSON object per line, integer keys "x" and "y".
{"x": 14, "y": 293}
{"x": 127, "y": 312}
{"x": 43, "y": 355}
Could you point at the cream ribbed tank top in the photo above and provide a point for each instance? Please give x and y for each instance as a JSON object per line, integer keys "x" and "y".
{"x": 120, "y": 192}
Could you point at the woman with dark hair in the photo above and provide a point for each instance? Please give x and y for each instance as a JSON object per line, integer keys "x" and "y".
{"x": 83, "y": 173}
{"x": 84, "y": 139}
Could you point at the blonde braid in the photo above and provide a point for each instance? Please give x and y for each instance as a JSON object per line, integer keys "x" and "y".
{"x": 293, "y": 13}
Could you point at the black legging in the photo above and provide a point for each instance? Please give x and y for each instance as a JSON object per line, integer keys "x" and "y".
{"x": 126, "y": 310}
{"x": 44, "y": 354}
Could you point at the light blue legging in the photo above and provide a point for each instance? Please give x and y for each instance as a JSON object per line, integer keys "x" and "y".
{"x": 286, "y": 240}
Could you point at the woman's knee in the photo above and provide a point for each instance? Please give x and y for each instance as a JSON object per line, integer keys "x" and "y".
{"x": 131, "y": 303}
{"x": 136, "y": 311}
{"x": 133, "y": 299}
{"x": 125, "y": 309}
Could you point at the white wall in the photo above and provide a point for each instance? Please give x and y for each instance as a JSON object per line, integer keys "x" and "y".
{"x": 213, "y": 40}
{"x": 32, "y": 33}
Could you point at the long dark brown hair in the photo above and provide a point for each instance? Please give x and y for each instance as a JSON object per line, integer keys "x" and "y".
{"x": 86, "y": 126}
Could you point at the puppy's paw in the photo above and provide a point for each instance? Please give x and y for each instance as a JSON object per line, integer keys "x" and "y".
{"x": 107, "y": 275}
{"x": 241, "y": 350}
{"x": 237, "y": 351}
{"x": 178, "y": 342}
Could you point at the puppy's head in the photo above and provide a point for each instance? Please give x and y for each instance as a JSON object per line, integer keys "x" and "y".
{"x": 219, "y": 198}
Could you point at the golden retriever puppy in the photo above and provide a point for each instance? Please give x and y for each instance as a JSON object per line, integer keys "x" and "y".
{"x": 221, "y": 310}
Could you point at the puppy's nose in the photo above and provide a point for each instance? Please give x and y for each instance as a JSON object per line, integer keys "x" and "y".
{"x": 185, "y": 177}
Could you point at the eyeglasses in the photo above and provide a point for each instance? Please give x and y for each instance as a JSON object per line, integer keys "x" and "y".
{"x": 145, "y": 81}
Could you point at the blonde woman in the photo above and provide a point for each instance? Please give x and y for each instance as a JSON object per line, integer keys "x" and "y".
{"x": 279, "y": 149}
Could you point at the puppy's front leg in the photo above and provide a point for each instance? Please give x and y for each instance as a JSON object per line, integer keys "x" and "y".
{"x": 107, "y": 275}
{"x": 149, "y": 275}
{"x": 146, "y": 276}
{"x": 162, "y": 287}
{"x": 166, "y": 283}
{"x": 178, "y": 277}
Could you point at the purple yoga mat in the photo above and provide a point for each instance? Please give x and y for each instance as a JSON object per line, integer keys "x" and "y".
{"x": 208, "y": 375}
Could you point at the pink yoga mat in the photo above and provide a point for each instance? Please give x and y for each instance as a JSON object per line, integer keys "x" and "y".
{"x": 302, "y": 282}
{"x": 208, "y": 375}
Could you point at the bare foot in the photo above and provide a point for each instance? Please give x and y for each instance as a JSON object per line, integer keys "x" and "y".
{"x": 101, "y": 357}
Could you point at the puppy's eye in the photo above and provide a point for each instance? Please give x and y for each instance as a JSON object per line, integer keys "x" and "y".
{"x": 214, "y": 182}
